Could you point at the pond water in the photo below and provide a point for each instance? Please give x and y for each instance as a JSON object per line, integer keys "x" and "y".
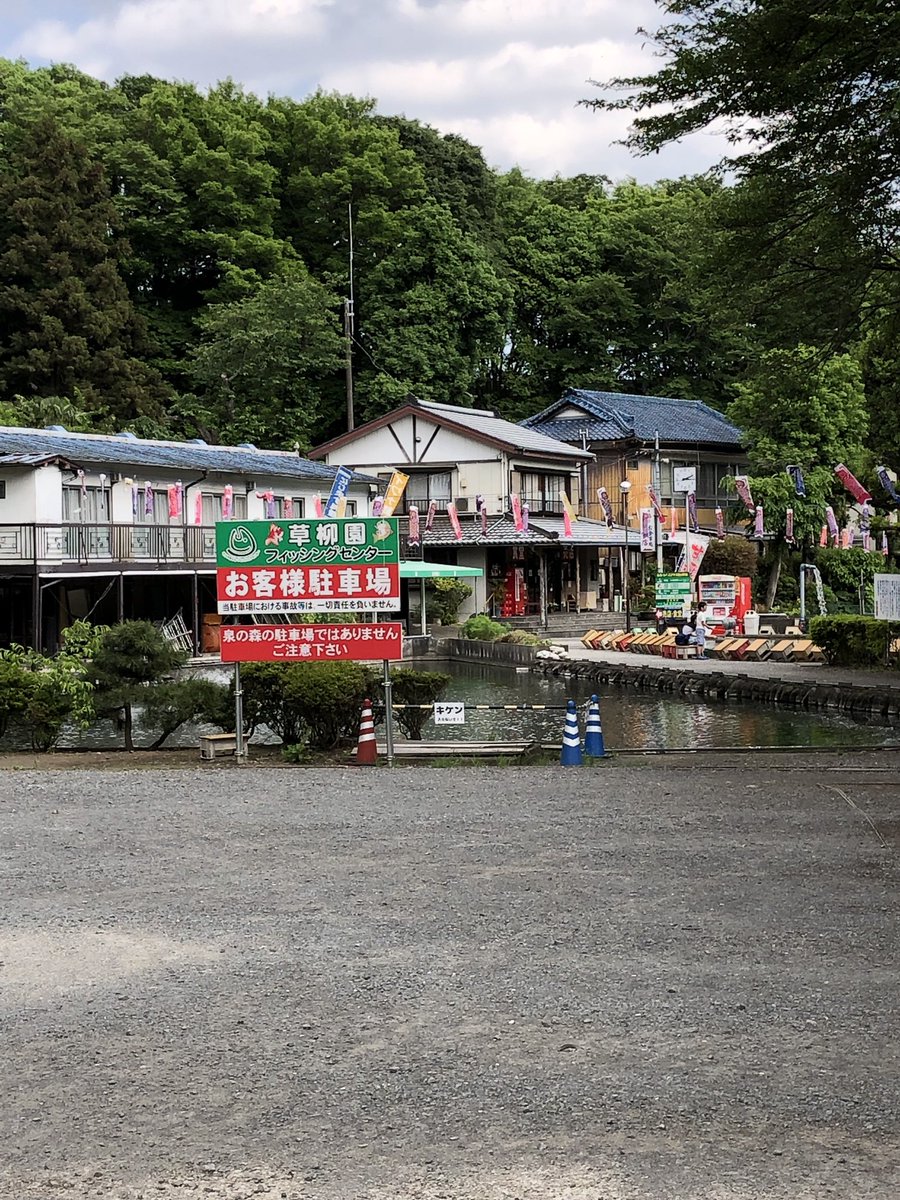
{"x": 631, "y": 719}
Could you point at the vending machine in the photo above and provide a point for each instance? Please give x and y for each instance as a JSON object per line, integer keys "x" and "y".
{"x": 515, "y": 595}
{"x": 727, "y": 598}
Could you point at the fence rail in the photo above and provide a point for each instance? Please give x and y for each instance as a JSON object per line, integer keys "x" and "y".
{"x": 111, "y": 542}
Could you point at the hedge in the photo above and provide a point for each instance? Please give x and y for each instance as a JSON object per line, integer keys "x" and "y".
{"x": 854, "y": 641}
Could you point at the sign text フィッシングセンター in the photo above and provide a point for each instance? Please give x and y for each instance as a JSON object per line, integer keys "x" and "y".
{"x": 315, "y": 565}
{"x": 312, "y": 643}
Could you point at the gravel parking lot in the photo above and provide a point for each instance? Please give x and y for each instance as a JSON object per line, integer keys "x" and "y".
{"x": 468, "y": 984}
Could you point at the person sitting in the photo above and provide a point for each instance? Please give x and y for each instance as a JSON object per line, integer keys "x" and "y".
{"x": 687, "y": 637}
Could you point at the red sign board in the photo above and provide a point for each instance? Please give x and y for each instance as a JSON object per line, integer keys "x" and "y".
{"x": 341, "y": 588}
{"x": 311, "y": 643}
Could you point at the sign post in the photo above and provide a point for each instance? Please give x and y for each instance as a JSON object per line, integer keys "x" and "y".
{"x": 316, "y": 565}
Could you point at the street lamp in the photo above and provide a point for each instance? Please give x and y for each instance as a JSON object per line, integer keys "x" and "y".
{"x": 625, "y": 488}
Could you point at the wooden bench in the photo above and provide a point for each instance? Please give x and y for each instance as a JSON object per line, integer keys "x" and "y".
{"x": 214, "y": 745}
{"x": 689, "y": 651}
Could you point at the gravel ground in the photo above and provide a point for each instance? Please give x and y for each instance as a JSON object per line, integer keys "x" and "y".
{"x": 468, "y": 984}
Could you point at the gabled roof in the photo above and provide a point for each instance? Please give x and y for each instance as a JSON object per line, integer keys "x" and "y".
{"x": 639, "y": 417}
{"x": 114, "y": 450}
{"x": 477, "y": 423}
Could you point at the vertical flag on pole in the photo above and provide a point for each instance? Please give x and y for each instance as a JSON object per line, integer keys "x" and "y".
{"x": 720, "y": 525}
{"x": 429, "y": 516}
{"x": 342, "y": 477}
{"x": 317, "y": 506}
{"x": 759, "y": 527}
{"x": 789, "y": 527}
{"x": 887, "y": 483}
{"x": 823, "y": 536}
{"x": 606, "y": 505}
{"x": 831, "y": 522}
{"x": 673, "y": 519}
{"x": 654, "y": 500}
{"x": 884, "y": 543}
{"x": 393, "y": 493}
{"x": 569, "y": 514}
{"x": 742, "y": 487}
{"x": 516, "y": 505}
{"x": 227, "y": 502}
{"x": 414, "y": 535}
{"x": 526, "y": 514}
{"x": 692, "y": 511}
{"x": 198, "y": 509}
{"x": 484, "y": 520}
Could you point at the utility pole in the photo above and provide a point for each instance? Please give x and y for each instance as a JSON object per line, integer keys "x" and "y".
{"x": 657, "y": 485}
{"x": 348, "y": 328}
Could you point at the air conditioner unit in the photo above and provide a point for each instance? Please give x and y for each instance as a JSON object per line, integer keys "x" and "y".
{"x": 462, "y": 503}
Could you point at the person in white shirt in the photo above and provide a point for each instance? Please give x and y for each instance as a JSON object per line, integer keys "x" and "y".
{"x": 702, "y": 627}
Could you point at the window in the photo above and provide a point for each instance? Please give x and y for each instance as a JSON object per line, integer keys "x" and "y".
{"x": 542, "y": 493}
{"x": 297, "y": 509}
{"x": 422, "y": 489}
{"x": 88, "y": 507}
{"x": 212, "y": 507}
{"x": 2, "y": 489}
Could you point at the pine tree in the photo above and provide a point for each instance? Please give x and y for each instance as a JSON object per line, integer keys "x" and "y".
{"x": 67, "y": 323}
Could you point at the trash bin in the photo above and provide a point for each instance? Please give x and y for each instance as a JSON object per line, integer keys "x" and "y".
{"x": 751, "y": 623}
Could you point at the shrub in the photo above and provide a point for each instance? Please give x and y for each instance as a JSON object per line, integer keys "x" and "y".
{"x": 40, "y": 693}
{"x": 168, "y": 706}
{"x": 13, "y": 692}
{"x": 416, "y": 687}
{"x": 522, "y": 637}
{"x": 853, "y": 641}
{"x": 446, "y": 596}
{"x": 481, "y": 628}
{"x": 318, "y": 703}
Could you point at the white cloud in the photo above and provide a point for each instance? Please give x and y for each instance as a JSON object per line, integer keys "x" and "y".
{"x": 508, "y": 74}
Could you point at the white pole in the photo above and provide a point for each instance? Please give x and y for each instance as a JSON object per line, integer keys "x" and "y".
{"x": 238, "y": 713}
{"x": 388, "y": 713}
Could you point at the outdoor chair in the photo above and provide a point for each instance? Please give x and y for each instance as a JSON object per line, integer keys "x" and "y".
{"x": 757, "y": 649}
{"x": 782, "y": 650}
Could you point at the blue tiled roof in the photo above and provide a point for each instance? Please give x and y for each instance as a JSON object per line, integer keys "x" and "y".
{"x": 574, "y": 429}
{"x": 104, "y": 450}
{"x": 641, "y": 417}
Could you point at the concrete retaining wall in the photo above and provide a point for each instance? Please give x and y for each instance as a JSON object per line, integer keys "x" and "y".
{"x": 499, "y": 652}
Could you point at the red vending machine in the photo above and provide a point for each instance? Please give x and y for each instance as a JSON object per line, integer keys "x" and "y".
{"x": 726, "y": 596}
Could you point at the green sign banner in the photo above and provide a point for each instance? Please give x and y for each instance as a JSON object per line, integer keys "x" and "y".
{"x": 673, "y": 591}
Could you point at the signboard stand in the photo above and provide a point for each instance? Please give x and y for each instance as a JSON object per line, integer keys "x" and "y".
{"x": 239, "y": 748}
{"x": 388, "y": 713}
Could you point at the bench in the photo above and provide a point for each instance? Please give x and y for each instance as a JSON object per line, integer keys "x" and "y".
{"x": 686, "y": 651}
{"x": 212, "y": 745}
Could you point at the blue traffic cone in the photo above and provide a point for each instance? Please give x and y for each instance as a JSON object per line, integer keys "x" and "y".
{"x": 593, "y": 731}
{"x": 571, "y": 747}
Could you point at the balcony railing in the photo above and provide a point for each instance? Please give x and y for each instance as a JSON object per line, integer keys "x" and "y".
{"x": 77, "y": 544}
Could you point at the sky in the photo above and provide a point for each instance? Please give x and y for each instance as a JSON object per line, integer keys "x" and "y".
{"x": 505, "y": 74}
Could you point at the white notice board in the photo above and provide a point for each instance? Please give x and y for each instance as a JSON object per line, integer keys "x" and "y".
{"x": 887, "y": 597}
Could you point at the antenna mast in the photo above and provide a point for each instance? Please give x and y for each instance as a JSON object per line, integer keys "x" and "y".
{"x": 348, "y": 327}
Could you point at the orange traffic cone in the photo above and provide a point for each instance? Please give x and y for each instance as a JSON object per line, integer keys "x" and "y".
{"x": 366, "y": 749}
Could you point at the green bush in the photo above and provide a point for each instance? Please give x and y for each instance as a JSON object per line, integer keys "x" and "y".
{"x": 13, "y": 693}
{"x": 521, "y": 637}
{"x": 39, "y": 693}
{"x": 316, "y": 703}
{"x": 444, "y": 598}
{"x": 128, "y": 661}
{"x": 853, "y": 641}
{"x": 170, "y": 705}
{"x": 415, "y": 687}
{"x": 481, "y": 628}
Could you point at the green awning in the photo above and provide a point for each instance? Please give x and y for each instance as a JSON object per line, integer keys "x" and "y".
{"x": 428, "y": 570}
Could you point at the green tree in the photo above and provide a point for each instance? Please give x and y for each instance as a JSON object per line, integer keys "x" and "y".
{"x": 131, "y": 658}
{"x": 168, "y": 706}
{"x": 261, "y": 363}
{"x": 67, "y": 319}
{"x": 800, "y": 408}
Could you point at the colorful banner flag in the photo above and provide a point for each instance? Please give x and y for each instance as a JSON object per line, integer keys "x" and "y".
{"x": 852, "y": 484}
{"x": 479, "y": 502}
{"x": 484, "y": 520}
{"x": 606, "y": 505}
{"x": 568, "y": 506}
{"x": 831, "y": 522}
{"x": 414, "y": 535}
{"x": 526, "y": 513}
{"x": 82, "y": 482}
{"x": 342, "y": 477}
{"x": 288, "y": 507}
{"x": 797, "y": 478}
{"x": 692, "y": 555}
{"x": 789, "y": 526}
{"x": 377, "y": 505}
{"x": 268, "y": 499}
{"x": 720, "y": 525}
{"x": 742, "y": 487}
{"x": 884, "y": 543}
{"x": 393, "y": 493}
{"x": 429, "y": 516}
{"x": 868, "y": 543}
{"x": 692, "y": 511}
{"x": 135, "y": 495}
{"x": 174, "y": 500}
{"x": 887, "y": 483}
{"x": 198, "y": 509}
{"x": 516, "y": 505}
{"x": 227, "y": 502}
{"x": 318, "y": 510}
{"x": 759, "y": 525}
{"x": 823, "y": 536}
{"x": 454, "y": 520}
{"x": 654, "y": 500}
{"x": 567, "y": 522}
{"x": 648, "y": 531}
{"x": 341, "y": 509}
{"x": 846, "y": 538}
{"x": 673, "y": 519}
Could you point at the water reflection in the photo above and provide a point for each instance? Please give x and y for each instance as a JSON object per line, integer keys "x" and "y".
{"x": 639, "y": 720}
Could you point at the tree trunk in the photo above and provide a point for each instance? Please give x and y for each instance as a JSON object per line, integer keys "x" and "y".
{"x": 129, "y": 739}
{"x": 774, "y": 577}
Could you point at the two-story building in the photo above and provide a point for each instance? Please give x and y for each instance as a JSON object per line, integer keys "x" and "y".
{"x": 644, "y": 439}
{"x": 109, "y": 527}
{"x": 487, "y": 468}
